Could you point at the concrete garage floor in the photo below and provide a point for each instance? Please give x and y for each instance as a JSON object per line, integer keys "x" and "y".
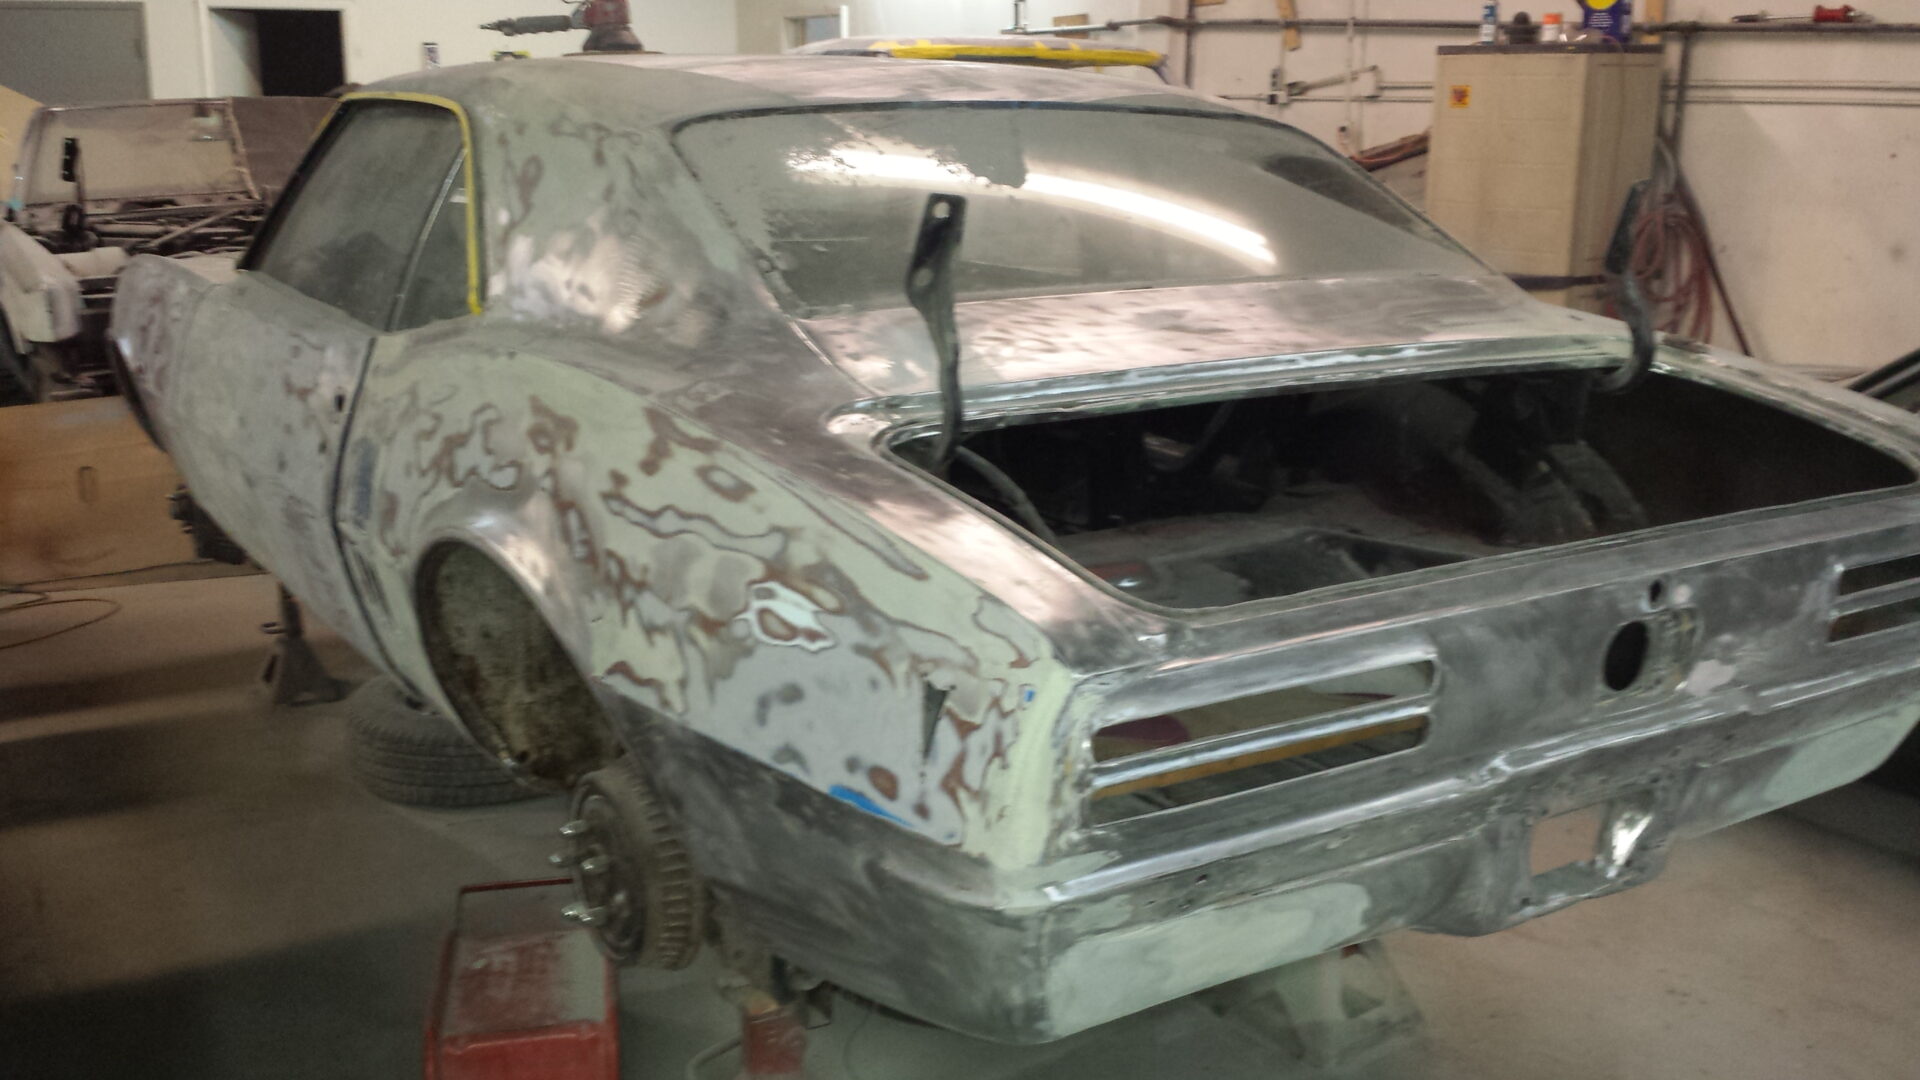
{"x": 191, "y": 886}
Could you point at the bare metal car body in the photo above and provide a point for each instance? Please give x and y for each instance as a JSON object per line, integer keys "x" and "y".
{"x": 910, "y": 743}
{"x": 176, "y": 177}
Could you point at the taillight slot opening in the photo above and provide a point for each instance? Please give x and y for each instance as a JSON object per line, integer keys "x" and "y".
{"x": 1876, "y": 596}
{"x": 1215, "y": 750}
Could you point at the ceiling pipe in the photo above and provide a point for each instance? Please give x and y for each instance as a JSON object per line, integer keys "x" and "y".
{"x": 1809, "y": 29}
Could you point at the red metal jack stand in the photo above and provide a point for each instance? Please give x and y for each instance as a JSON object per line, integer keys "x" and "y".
{"x": 521, "y": 992}
{"x": 773, "y": 1038}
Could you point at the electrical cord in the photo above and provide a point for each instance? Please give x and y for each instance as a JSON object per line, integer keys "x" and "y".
{"x": 31, "y": 585}
{"x": 708, "y": 1056}
{"x": 38, "y": 600}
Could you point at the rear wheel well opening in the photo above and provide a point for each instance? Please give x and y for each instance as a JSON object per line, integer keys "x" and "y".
{"x": 504, "y": 671}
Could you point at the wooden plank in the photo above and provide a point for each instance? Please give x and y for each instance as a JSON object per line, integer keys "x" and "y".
{"x": 15, "y": 110}
{"x": 1289, "y": 10}
{"x": 82, "y": 491}
{"x": 1650, "y": 11}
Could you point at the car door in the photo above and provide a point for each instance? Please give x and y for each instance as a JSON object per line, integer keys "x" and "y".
{"x": 280, "y": 351}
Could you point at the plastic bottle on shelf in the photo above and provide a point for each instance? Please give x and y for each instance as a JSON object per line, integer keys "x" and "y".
{"x": 1613, "y": 18}
{"x": 1552, "y": 30}
{"x": 1490, "y": 22}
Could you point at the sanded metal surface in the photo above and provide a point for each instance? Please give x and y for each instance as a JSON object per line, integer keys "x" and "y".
{"x": 870, "y": 700}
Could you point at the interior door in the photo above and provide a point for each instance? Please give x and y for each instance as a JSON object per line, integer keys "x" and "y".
{"x": 278, "y": 354}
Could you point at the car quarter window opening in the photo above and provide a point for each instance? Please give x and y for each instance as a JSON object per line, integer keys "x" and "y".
{"x": 364, "y": 213}
{"x": 435, "y": 284}
{"x": 1060, "y": 201}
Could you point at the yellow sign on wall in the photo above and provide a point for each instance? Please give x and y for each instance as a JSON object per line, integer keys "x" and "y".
{"x": 1459, "y": 97}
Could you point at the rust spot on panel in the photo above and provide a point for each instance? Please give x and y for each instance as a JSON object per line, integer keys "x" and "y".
{"x": 884, "y": 782}
{"x": 667, "y": 434}
{"x": 723, "y": 483}
{"x": 777, "y": 628}
{"x": 954, "y": 783}
{"x": 875, "y": 656}
{"x": 622, "y": 670}
{"x": 550, "y": 432}
{"x": 961, "y": 725}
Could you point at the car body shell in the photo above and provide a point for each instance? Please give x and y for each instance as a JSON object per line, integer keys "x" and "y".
{"x": 869, "y": 700}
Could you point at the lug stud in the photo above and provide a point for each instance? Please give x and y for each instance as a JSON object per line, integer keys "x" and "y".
{"x": 574, "y": 828}
{"x": 595, "y": 864}
{"x": 561, "y": 859}
{"x": 583, "y": 914}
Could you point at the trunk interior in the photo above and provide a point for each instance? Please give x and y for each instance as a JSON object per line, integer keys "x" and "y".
{"x": 1220, "y": 503}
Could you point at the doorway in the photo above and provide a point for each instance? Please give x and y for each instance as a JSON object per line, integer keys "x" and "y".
{"x": 807, "y": 29}
{"x": 275, "y": 52}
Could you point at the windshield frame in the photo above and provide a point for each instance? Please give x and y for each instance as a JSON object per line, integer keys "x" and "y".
{"x": 792, "y": 304}
{"x": 20, "y": 198}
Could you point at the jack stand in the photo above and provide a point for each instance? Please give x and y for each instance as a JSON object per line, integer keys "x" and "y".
{"x": 1329, "y": 1010}
{"x": 772, "y": 997}
{"x": 293, "y": 671}
{"x": 773, "y": 1038}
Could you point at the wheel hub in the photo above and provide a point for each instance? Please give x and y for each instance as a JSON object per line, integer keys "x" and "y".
{"x": 635, "y": 883}
{"x": 607, "y": 876}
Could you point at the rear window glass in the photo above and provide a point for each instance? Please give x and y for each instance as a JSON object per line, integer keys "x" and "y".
{"x": 1060, "y": 200}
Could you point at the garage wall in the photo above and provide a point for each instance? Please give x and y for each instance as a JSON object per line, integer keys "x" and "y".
{"x": 383, "y": 37}
{"x": 1811, "y": 205}
{"x": 763, "y": 22}
{"x": 54, "y": 50}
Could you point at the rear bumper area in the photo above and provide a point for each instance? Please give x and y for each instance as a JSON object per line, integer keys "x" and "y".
{"x": 956, "y": 944}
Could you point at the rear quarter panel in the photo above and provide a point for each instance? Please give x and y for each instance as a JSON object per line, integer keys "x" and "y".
{"x": 707, "y": 585}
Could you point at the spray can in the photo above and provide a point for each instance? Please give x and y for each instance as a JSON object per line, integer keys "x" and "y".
{"x": 1490, "y": 22}
{"x": 1613, "y": 18}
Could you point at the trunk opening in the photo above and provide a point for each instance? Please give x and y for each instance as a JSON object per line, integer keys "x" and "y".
{"x": 1207, "y": 505}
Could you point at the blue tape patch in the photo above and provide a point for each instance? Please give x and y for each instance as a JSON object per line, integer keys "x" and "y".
{"x": 860, "y": 799}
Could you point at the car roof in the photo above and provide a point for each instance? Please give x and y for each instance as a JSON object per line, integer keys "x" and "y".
{"x": 670, "y": 90}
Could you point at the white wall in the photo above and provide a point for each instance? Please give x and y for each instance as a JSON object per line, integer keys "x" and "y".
{"x": 1814, "y": 209}
{"x": 234, "y": 52}
{"x": 762, "y": 22}
{"x": 383, "y": 37}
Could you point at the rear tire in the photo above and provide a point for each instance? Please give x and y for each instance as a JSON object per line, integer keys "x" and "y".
{"x": 407, "y": 754}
